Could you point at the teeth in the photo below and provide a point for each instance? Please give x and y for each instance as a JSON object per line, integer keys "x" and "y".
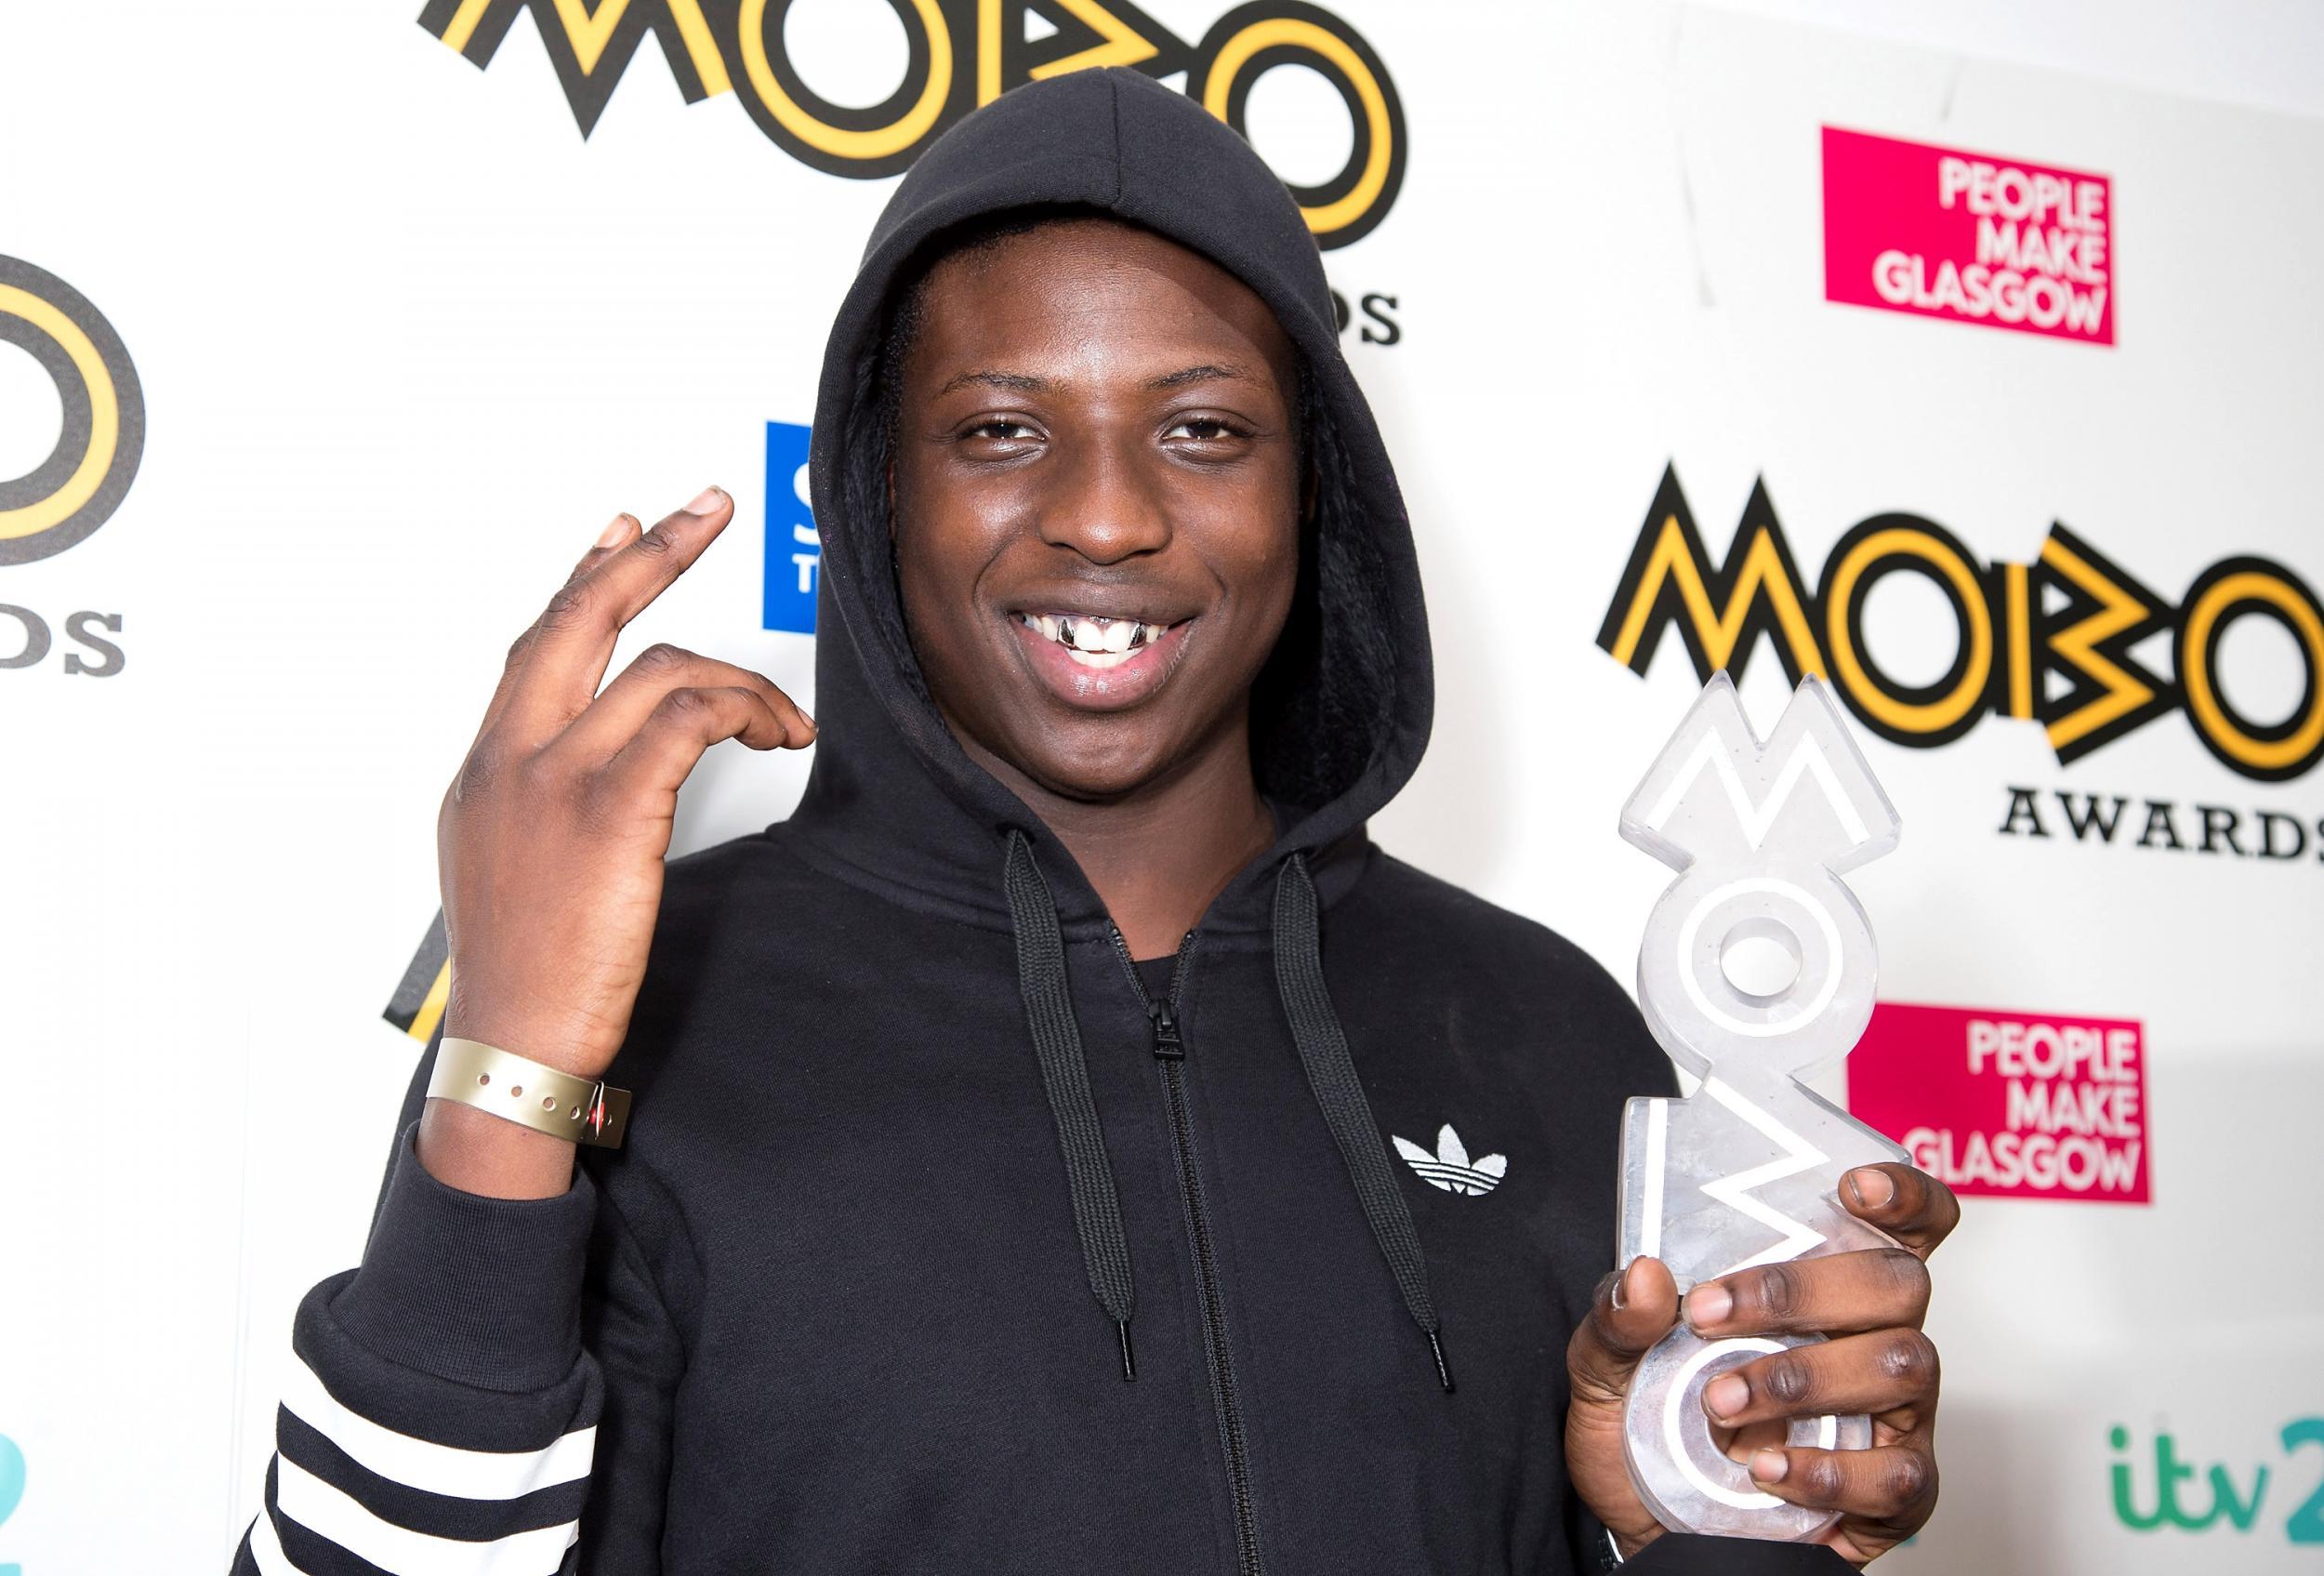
{"x": 1091, "y": 640}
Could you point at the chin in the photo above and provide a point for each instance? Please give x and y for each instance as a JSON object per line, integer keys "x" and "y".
{"x": 1094, "y": 767}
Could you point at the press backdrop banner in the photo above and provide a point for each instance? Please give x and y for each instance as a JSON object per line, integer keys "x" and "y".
{"x": 331, "y": 335}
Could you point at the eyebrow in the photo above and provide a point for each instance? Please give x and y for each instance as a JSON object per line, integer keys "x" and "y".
{"x": 1208, "y": 373}
{"x": 1016, "y": 380}
{"x": 1019, "y": 382}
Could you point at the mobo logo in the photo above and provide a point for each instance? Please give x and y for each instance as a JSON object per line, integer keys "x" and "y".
{"x": 2048, "y": 641}
{"x": 78, "y": 486}
{"x": 963, "y": 53}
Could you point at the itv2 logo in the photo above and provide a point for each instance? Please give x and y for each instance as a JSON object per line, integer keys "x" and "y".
{"x": 11, "y": 1489}
{"x": 2237, "y": 1505}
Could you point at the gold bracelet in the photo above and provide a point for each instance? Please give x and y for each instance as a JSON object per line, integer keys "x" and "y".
{"x": 524, "y": 1091}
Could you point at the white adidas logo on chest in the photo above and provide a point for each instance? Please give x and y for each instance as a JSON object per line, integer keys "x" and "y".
{"x": 1450, "y": 1167}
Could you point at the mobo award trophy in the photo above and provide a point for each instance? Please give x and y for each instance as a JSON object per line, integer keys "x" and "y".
{"x": 1756, "y": 971}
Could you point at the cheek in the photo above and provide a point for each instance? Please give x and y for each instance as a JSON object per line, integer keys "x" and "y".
{"x": 1258, "y": 555}
{"x": 943, "y": 535}
{"x": 941, "y": 620}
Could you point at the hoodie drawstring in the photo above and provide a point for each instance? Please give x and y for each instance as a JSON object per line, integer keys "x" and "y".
{"x": 1049, "y": 1011}
{"x": 1323, "y": 1051}
{"x": 1331, "y": 1074}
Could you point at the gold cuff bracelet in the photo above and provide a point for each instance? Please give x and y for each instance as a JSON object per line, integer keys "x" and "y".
{"x": 524, "y": 1091}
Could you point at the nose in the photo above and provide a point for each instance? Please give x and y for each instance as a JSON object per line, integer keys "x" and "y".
{"x": 1104, "y": 503}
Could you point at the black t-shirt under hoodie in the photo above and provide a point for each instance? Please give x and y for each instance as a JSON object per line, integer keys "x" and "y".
{"x": 923, "y": 1166}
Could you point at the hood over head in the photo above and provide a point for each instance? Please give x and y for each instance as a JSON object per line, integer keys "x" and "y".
{"x": 1339, "y": 715}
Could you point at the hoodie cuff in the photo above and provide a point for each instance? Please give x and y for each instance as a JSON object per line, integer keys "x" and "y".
{"x": 479, "y": 1291}
{"x": 1686, "y": 1554}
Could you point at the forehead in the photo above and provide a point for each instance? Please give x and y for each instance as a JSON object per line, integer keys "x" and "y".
{"x": 1090, "y": 298}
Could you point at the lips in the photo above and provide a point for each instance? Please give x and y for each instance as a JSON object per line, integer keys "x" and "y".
{"x": 1099, "y": 662}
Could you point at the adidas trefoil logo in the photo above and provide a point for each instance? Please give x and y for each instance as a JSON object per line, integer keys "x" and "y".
{"x": 1450, "y": 1167}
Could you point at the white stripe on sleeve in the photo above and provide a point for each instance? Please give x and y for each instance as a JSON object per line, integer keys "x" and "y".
{"x": 439, "y": 1469}
{"x": 266, "y": 1549}
{"x": 329, "y": 1514}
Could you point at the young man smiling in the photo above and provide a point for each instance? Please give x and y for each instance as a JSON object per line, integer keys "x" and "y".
{"x": 1010, "y": 1182}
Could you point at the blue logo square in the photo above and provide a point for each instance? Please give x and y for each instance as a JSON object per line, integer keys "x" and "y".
{"x": 794, "y": 551}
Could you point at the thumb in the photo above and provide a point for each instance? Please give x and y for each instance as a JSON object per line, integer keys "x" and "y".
{"x": 1633, "y": 1309}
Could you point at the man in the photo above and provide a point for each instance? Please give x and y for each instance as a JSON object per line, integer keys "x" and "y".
{"x": 1008, "y": 1184}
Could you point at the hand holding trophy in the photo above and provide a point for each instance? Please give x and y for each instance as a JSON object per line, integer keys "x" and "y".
{"x": 1743, "y": 1172}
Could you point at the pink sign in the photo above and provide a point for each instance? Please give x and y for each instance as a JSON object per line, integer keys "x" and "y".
{"x": 1913, "y": 228}
{"x": 2012, "y": 1104}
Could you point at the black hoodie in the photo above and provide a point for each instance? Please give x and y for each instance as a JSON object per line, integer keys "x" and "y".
{"x": 923, "y": 1168}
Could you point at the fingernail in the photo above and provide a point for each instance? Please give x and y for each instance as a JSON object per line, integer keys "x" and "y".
{"x": 706, "y": 500}
{"x": 1873, "y": 1188}
{"x": 1768, "y": 1467}
{"x": 1708, "y": 1304}
{"x": 1726, "y": 1395}
{"x": 612, "y": 534}
{"x": 1615, "y": 1298}
{"x": 811, "y": 719}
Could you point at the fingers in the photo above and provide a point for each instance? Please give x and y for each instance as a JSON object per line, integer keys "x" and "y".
{"x": 616, "y": 716}
{"x": 1894, "y": 1486}
{"x": 682, "y": 724}
{"x": 1874, "y": 1289}
{"x": 618, "y": 534}
{"x": 1906, "y": 1202}
{"x": 1890, "y": 1372}
{"x": 554, "y": 667}
{"x": 1633, "y": 1308}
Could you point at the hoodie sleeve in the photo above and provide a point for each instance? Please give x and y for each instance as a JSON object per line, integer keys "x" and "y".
{"x": 1683, "y": 1554}
{"x": 476, "y": 1395}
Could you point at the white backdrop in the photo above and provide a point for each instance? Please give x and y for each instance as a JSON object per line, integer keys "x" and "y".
{"x": 405, "y": 340}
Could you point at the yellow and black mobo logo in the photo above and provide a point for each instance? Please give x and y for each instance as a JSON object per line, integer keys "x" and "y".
{"x": 84, "y": 479}
{"x": 963, "y": 53}
{"x": 2052, "y": 642}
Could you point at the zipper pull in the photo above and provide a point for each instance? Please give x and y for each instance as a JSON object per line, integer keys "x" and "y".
{"x": 1167, "y": 1045}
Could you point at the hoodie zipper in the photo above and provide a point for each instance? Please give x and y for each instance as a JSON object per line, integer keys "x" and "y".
{"x": 1169, "y": 1054}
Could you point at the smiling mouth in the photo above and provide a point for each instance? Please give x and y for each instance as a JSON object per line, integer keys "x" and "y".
{"x": 1093, "y": 641}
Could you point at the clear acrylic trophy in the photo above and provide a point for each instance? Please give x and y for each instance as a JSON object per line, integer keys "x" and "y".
{"x": 1756, "y": 971}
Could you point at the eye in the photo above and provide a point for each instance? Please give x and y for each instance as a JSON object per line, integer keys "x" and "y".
{"x": 997, "y": 438}
{"x": 1204, "y": 428}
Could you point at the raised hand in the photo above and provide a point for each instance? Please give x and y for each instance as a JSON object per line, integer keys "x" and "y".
{"x": 551, "y": 837}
